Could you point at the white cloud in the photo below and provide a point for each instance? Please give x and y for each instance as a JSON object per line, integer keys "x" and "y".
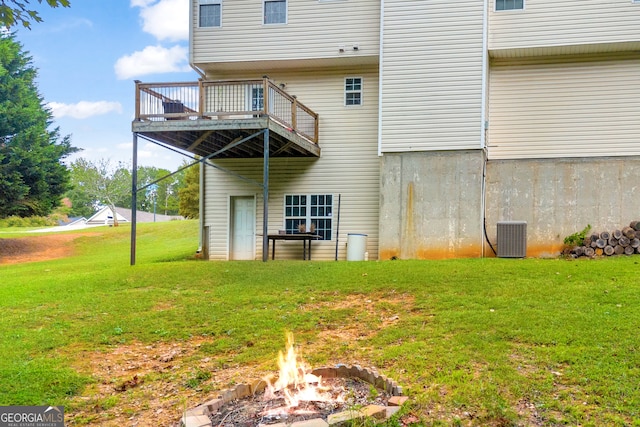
{"x": 84, "y": 109}
{"x": 164, "y": 19}
{"x": 147, "y": 151}
{"x": 141, "y": 3}
{"x": 146, "y": 154}
{"x": 117, "y": 149}
{"x": 151, "y": 60}
{"x": 149, "y": 154}
{"x": 70, "y": 24}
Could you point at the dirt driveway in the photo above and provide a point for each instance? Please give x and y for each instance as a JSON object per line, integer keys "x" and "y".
{"x": 36, "y": 248}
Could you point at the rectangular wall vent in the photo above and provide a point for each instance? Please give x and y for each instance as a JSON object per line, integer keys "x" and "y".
{"x": 512, "y": 239}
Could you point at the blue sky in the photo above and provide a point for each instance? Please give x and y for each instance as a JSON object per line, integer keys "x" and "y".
{"x": 87, "y": 58}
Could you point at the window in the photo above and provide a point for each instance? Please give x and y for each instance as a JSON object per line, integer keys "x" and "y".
{"x": 210, "y": 13}
{"x": 311, "y": 211}
{"x": 275, "y": 11}
{"x": 353, "y": 91}
{"x": 509, "y": 4}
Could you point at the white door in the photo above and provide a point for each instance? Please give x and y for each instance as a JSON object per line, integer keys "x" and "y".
{"x": 254, "y": 98}
{"x": 243, "y": 219}
{"x": 257, "y": 98}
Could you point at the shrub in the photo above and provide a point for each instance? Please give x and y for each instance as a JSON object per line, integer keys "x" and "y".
{"x": 30, "y": 221}
{"x": 577, "y": 239}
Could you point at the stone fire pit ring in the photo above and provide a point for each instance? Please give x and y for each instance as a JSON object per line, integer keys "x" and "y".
{"x": 199, "y": 416}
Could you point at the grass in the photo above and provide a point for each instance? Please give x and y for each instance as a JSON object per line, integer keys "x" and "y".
{"x": 473, "y": 341}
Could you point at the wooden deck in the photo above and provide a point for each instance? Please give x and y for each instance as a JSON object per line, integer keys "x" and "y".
{"x": 209, "y": 117}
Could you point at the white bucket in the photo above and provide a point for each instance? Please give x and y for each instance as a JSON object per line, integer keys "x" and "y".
{"x": 356, "y": 246}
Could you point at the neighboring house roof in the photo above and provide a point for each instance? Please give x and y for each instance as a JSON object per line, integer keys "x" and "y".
{"x": 76, "y": 221}
{"x": 142, "y": 216}
{"x": 105, "y": 216}
{"x": 73, "y": 220}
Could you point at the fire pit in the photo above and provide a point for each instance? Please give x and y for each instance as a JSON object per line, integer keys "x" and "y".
{"x": 299, "y": 397}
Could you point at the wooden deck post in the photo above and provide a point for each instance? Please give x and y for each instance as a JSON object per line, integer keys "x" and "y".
{"x": 294, "y": 113}
{"x": 265, "y": 94}
{"x": 200, "y": 99}
{"x": 137, "y": 107}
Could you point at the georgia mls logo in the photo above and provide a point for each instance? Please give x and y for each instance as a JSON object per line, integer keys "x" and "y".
{"x": 31, "y": 416}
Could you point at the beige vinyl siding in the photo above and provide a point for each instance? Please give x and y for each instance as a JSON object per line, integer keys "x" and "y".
{"x": 349, "y": 166}
{"x": 432, "y": 75}
{"x": 564, "y": 22}
{"x": 560, "y": 108}
{"x": 315, "y": 29}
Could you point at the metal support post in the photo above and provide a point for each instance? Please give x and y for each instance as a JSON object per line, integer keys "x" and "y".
{"x": 134, "y": 197}
{"x": 265, "y": 198}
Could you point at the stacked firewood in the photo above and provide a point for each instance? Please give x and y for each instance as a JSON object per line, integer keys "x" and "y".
{"x": 625, "y": 241}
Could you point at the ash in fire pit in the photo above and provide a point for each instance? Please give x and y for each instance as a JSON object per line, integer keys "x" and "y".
{"x": 347, "y": 393}
{"x": 302, "y": 398}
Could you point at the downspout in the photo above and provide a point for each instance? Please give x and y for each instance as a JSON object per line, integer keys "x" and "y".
{"x": 201, "y": 165}
{"x": 483, "y": 120}
{"x": 191, "y": 64}
{"x": 197, "y": 70}
{"x": 380, "y": 75}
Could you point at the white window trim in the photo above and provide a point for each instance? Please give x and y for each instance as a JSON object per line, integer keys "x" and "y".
{"x": 524, "y": 5}
{"x": 204, "y": 2}
{"x": 361, "y": 91}
{"x": 308, "y": 217}
{"x": 286, "y": 13}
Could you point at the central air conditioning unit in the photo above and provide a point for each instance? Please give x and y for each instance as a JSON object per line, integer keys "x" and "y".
{"x": 512, "y": 239}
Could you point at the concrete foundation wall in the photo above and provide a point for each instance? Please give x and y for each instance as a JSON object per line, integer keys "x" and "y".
{"x": 431, "y": 205}
{"x": 558, "y": 197}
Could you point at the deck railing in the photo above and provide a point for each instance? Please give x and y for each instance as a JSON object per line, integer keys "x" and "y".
{"x": 230, "y": 99}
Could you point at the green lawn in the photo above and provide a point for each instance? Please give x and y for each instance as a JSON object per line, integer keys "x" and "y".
{"x": 473, "y": 341}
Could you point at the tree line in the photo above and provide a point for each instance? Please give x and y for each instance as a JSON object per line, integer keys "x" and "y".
{"x": 100, "y": 183}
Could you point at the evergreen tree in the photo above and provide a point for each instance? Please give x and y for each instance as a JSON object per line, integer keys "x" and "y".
{"x": 32, "y": 176}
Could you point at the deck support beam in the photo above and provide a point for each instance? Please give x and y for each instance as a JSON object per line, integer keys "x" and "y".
{"x": 198, "y": 141}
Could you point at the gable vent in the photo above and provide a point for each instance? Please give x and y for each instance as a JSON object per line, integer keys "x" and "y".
{"x": 512, "y": 239}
